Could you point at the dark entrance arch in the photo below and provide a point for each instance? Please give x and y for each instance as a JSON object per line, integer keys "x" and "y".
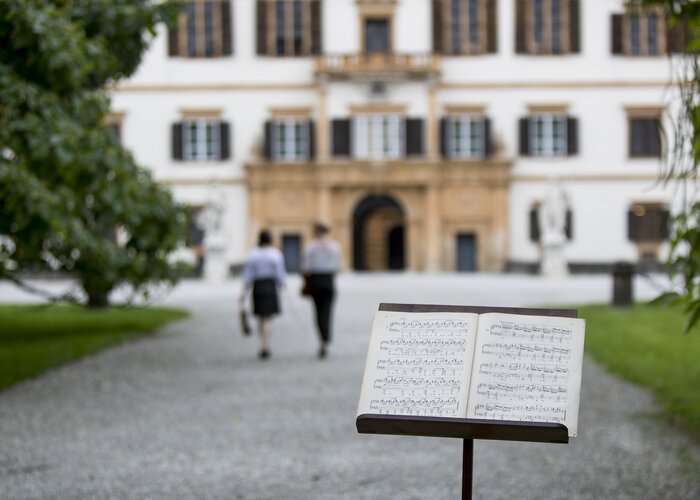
{"x": 378, "y": 234}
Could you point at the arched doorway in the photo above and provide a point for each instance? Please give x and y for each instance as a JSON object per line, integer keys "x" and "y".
{"x": 379, "y": 242}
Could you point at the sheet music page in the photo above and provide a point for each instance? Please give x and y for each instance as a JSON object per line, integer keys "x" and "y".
{"x": 527, "y": 368}
{"x": 418, "y": 364}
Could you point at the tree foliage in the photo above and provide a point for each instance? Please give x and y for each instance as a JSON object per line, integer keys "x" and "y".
{"x": 684, "y": 155}
{"x": 68, "y": 190}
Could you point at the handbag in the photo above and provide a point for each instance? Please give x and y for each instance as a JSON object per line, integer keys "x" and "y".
{"x": 245, "y": 324}
{"x": 306, "y": 286}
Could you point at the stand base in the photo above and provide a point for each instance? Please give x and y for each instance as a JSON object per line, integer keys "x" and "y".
{"x": 468, "y": 429}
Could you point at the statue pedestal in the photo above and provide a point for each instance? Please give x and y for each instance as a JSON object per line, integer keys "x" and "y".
{"x": 215, "y": 265}
{"x": 553, "y": 261}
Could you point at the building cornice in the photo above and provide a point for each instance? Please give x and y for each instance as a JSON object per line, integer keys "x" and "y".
{"x": 555, "y": 85}
{"x": 211, "y": 87}
{"x": 515, "y": 178}
{"x": 216, "y": 87}
{"x": 203, "y": 181}
{"x": 586, "y": 178}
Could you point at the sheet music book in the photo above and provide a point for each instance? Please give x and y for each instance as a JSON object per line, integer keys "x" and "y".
{"x": 465, "y": 365}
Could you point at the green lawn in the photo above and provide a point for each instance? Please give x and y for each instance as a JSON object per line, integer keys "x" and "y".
{"x": 646, "y": 345}
{"x": 36, "y": 338}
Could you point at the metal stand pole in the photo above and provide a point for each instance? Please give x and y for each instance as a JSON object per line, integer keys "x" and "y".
{"x": 467, "y": 469}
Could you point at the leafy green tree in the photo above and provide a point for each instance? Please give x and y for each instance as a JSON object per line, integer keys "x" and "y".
{"x": 71, "y": 198}
{"x": 683, "y": 17}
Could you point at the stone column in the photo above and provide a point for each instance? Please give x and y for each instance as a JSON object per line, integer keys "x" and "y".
{"x": 324, "y": 204}
{"x": 343, "y": 234}
{"x": 432, "y": 123}
{"x": 415, "y": 249}
{"x": 323, "y": 147}
{"x": 259, "y": 214}
{"x": 499, "y": 227}
{"x": 433, "y": 238}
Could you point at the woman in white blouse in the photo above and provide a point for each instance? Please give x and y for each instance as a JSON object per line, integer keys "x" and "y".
{"x": 321, "y": 262}
{"x": 264, "y": 272}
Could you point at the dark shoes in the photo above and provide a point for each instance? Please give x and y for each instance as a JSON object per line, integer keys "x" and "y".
{"x": 264, "y": 354}
{"x": 322, "y": 352}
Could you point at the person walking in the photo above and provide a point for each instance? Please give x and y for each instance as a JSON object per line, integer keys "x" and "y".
{"x": 264, "y": 273}
{"x": 320, "y": 263}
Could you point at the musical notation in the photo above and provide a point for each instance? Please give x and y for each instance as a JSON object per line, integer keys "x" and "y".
{"x": 521, "y": 412}
{"x": 523, "y": 372}
{"x": 437, "y": 407}
{"x": 439, "y": 342}
{"x": 522, "y": 392}
{"x": 420, "y": 327}
{"x": 420, "y": 367}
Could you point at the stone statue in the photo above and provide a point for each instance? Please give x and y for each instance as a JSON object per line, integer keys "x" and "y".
{"x": 552, "y": 221}
{"x": 552, "y": 215}
{"x": 211, "y": 221}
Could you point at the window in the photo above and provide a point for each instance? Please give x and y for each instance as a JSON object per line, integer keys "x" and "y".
{"x": 377, "y": 35}
{"x": 288, "y": 27}
{"x": 113, "y": 123}
{"x": 195, "y": 232}
{"x": 464, "y": 26}
{"x": 639, "y": 33}
{"x": 373, "y": 135}
{"x": 465, "y": 136}
{"x": 548, "y": 134}
{"x": 203, "y": 30}
{"x": 644, "y": 137}
{"x": 116, "y": 130}
{"x": 648, "y": 222}
{"x": 547, "y": 26}
{"x": 455, "y": 25}
{"x": 200, "y": 139}
{"x": 377, "y": 137}
{"x": 290, "y": 140}
{"x": 652, "y": 34}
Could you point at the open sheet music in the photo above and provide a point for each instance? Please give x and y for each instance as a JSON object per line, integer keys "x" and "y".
{"x": 486, "y": 366}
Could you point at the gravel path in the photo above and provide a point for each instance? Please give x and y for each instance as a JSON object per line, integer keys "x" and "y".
{"x": 192, "y": 413}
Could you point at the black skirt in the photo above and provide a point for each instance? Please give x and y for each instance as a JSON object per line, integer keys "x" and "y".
{"x": 265, "y": 300}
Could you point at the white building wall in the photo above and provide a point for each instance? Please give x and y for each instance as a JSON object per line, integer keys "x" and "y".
{"x": 595, "y": 85}
{"x": 343, "y": 96}
{"x": 341, "y": 27}
{"x": 413, "y": 27}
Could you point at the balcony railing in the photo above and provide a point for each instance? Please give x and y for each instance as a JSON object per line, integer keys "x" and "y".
{"x": 378, "y": 65}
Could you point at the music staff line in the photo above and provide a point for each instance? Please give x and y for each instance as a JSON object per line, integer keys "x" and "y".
{"x": 428, "y": 324}
{"x": 437, "y": 362}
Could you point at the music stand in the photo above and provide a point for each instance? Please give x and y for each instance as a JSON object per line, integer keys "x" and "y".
{"x": 465, "y": 428}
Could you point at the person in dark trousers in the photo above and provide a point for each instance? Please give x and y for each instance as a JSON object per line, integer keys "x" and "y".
{"x": 264, "y": 272}
{"x": 320, "y": 264}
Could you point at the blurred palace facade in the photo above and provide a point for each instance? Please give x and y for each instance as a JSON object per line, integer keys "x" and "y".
{"x": 425, "y": 132}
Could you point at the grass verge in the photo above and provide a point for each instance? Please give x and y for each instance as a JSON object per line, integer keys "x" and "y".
{"x": 36, "y": 338}
{"x": 646, "y": 345}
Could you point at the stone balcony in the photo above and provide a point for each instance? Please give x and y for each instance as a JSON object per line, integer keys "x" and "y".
{"x": 378, "y": 66}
